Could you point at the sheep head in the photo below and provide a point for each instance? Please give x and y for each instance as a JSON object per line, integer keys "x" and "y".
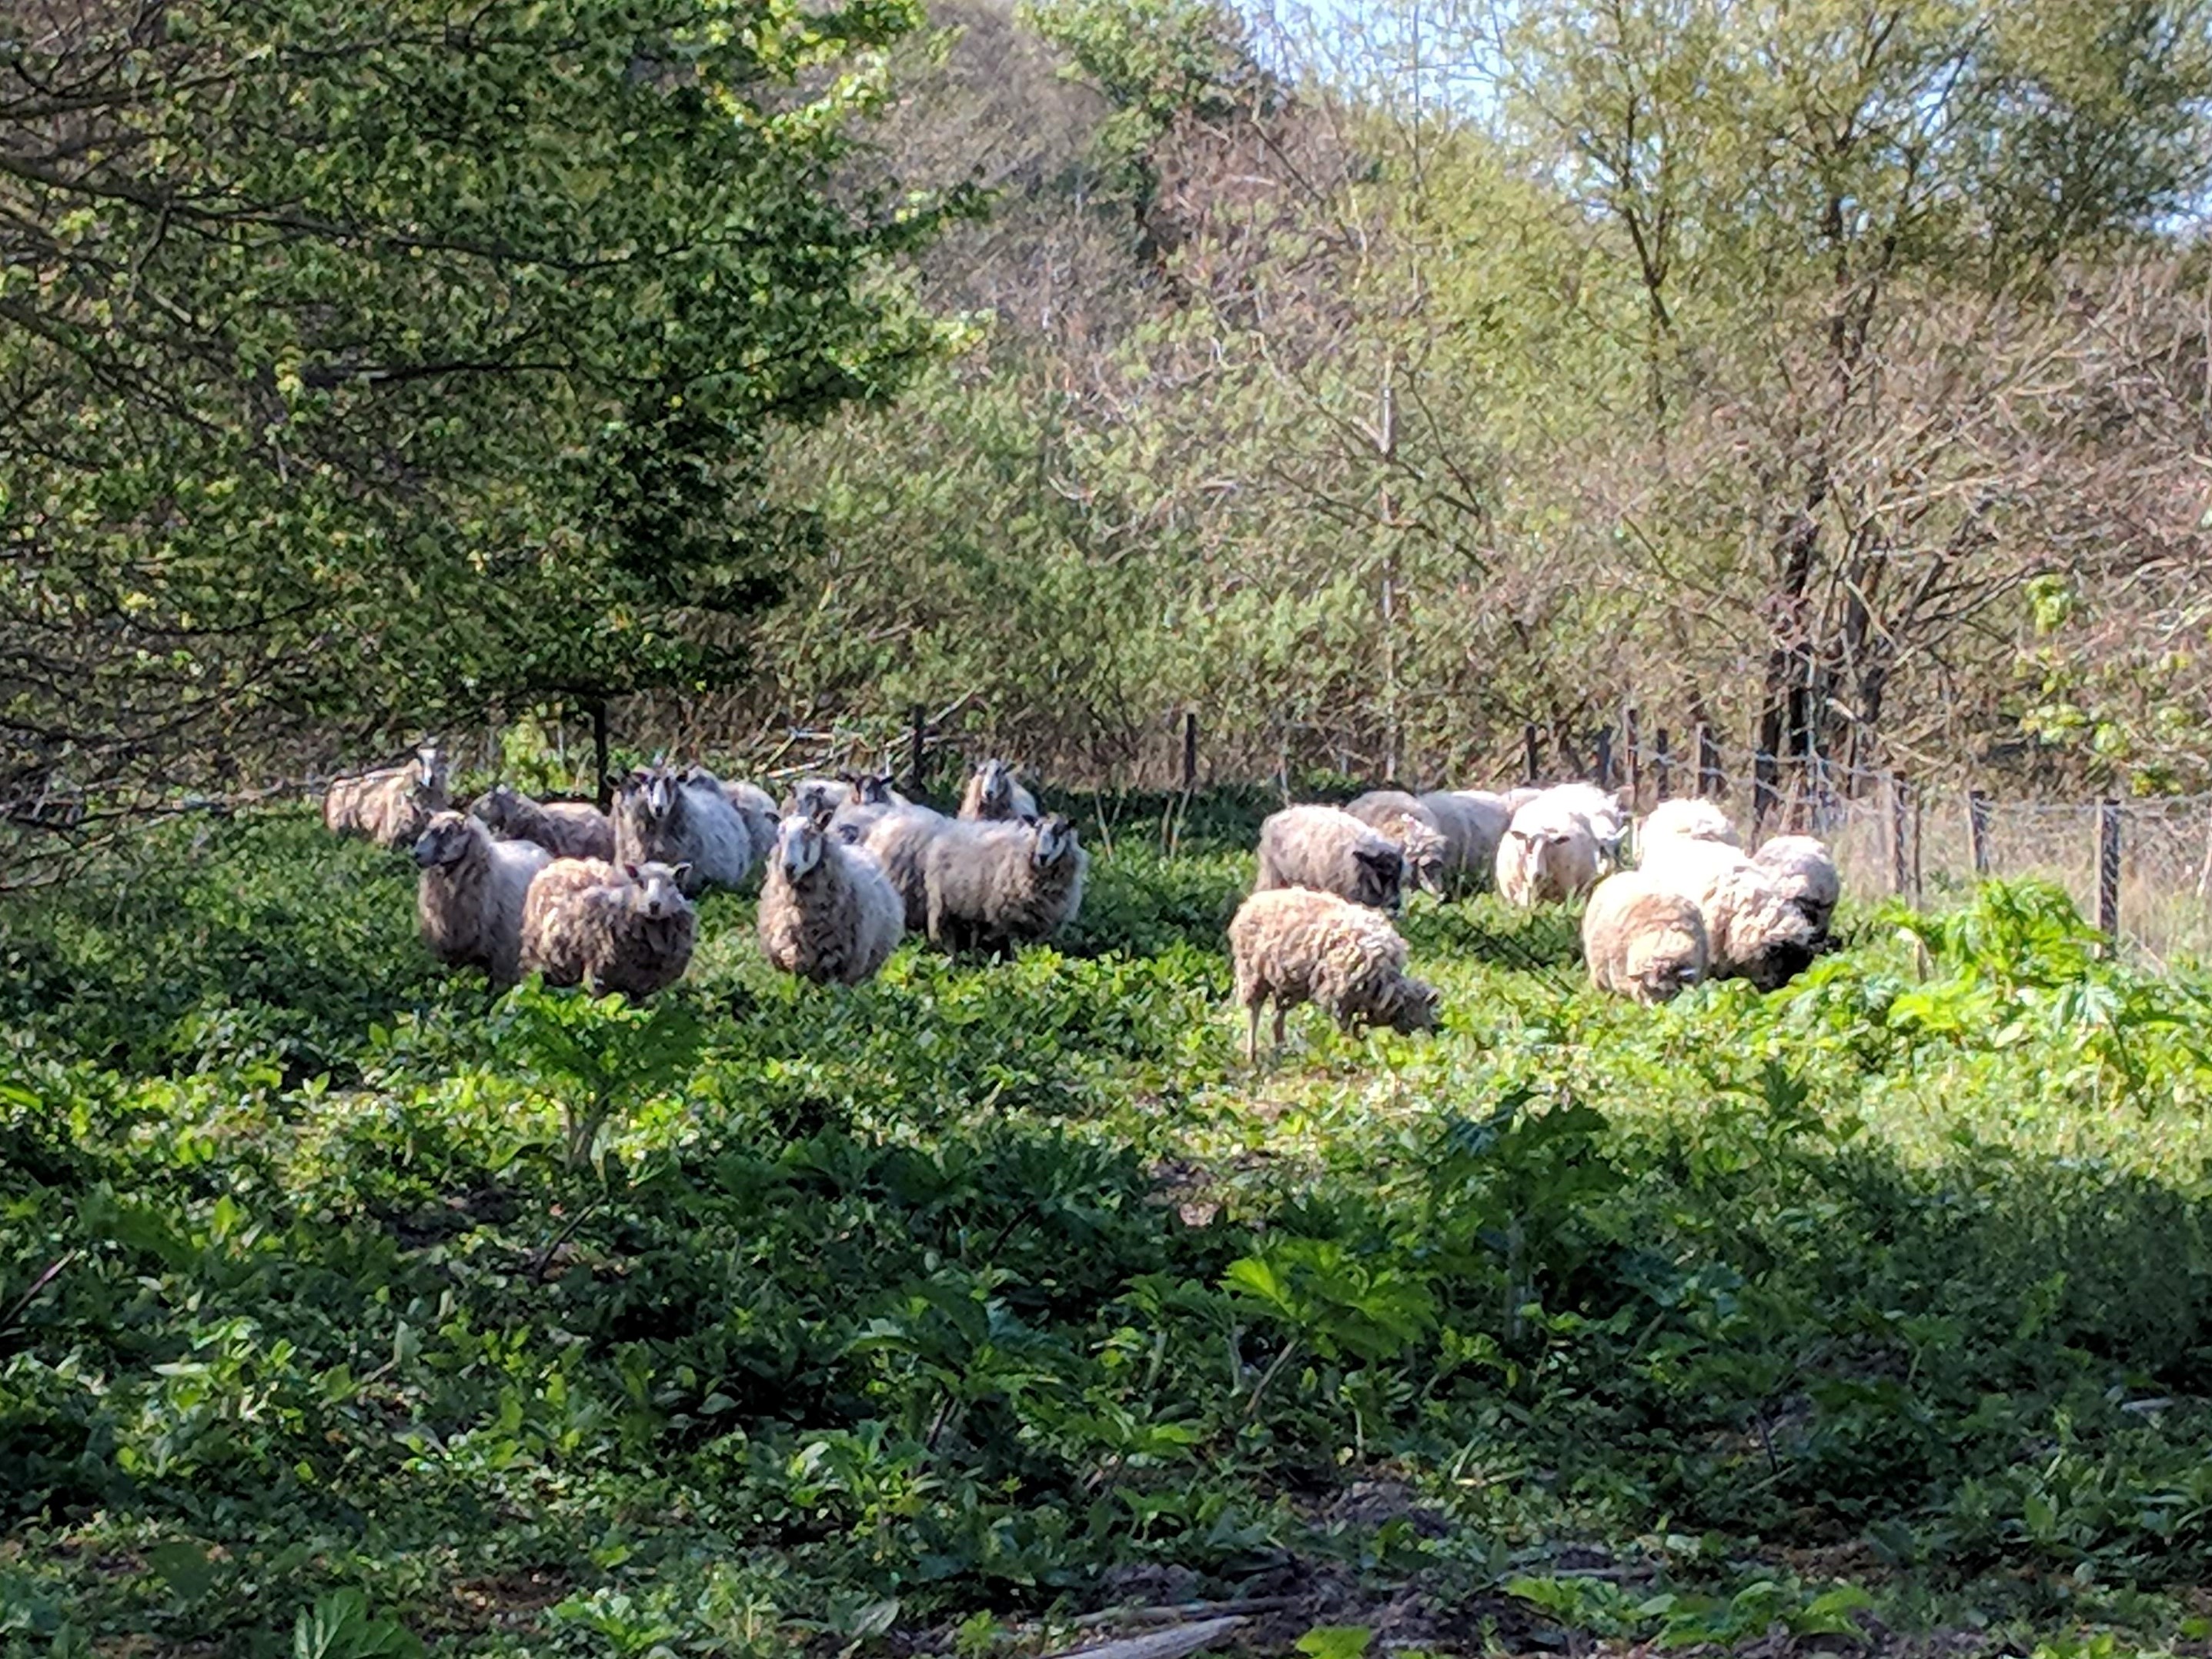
{"x": 798, "y": 846}
{"x": 495, "y": 808}
{"x": 1055, "y": 842}
{"x": 449, "y": 838}
{"x": 657, "y": 890}
{"x": 1381, "y": 876}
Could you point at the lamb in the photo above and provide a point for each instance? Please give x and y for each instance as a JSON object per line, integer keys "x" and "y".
{"x": 1601, "y": 809}
{"x": 609, "y": 927}
{"x": 991, "y": 793}
{"x": 1295, "y": 944}
{"x": 1473, "y": 822}
{"x": 565, "y": 829}
{"x": 1641, "y": 938}
{"x": 1753, "y": 930}
{"x": 688, "y": 821}
{"x": 1692, "y": 819}
{"x": 1807, "y": 873}
{"x": 1001, "y": 884}
{"x": 1417, "y": 829}
{"x": 828, "y": 912}
{"x": 392, "y": 806}
{"x": 1330, "y": 851}
{"x": 1548, "y": 854}
{"x": 900, "y": 842}
{"x": 470, "y": 897}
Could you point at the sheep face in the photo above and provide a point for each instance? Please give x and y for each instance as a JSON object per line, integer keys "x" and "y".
{"x": 1817, "y": 912}
{"x": 1055, "y": 842}
{"x": 449, "y": 839}
{"x": 654, "y": 790}
{"x": 494, "y": 807}
{"x": 799, "y": 847}
{"x": 874, "y": 791}
{"x": 1381, "y": 877}
{"x": 429, "y": 766}
{"x": 1779, "y": 962}
{"x": 1409, "y": 1005}
{"x": 997, "y": 785}
{"x": 660, "y": 890}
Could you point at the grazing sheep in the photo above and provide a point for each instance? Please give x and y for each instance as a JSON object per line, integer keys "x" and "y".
{"x": 470, "y": 897}
{"x": 1294, "y": 945}
{"x": 1473, "y": 822}
{"x": 1753, "y": 930}
{"x": 1692, "y": 819}
{"x": 1641, "y": 938}
{"x": 686, "y": 820}
{"x": 1548, "y": 854}
{"x": 828, "y": 912}
{"x": 1330, "y": 852}
{"x": 900, "y": 841}
{"x": 609, "y": 927}
{"x": 1417, "y": 829}
{"x": 1601, "y": 809}
{"x": 565, "y": 829}
{"x": 1001, "y": 884}
{"x": 991, "y": 793}
{"x": 392, "y": 806}
{"x": 1807, "y": 872}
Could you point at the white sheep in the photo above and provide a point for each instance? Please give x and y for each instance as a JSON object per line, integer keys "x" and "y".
{"x": 1693, "y": 818}
{"x": 1473, "y": 822}
{"x": 608, "y": 927}
{"x": 1417, "y": 829}
{"x": 1602, "y": 809}
{"x": 755, "y": 806}
{"x": 565, "y": 829}
{"x": 1294, "y": 945}
{"x": 993, "y": 794}
{"x": 1548, "y": 854}
{"x": 391, "y": 806}
{"x": 900, "y": 841}
{"x": 470, "y": 897}
{"x": 828, "y": 912}
{"x": 991, "y": 883}
{"x": 1330, "y": 851}
{"x": 811, "y": 796}
{"x": 687, "y": 819}
{"x": 1753, "y": 930}
{"x": 1807, "y": 872}
{"x": 1641, "y": 938}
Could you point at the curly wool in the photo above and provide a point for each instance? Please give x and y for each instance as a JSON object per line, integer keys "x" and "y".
{"x": 1327, "y": 850}
{"x": 828, "y": 912}
{"x": 1752, "y": 929}
{"x": 1417, "y": 829}
{"x": 609, "y": 928}
{"x": 756, "y": 808}
{"x": 565, "y": 829}
{"x": 469, "y": 899}
{"x": 393, "y": 805}
{"x": 1692, "y": 819}
{"x": 900, "y": 842}
{"x": 1294, "y": 945}
{"x": 1548, "y": 854}
{"x": 995, "y": 884}
{"x": 1805, "y": 871}
{"x": 1641, "y": 938}
{"x": 1601, "y": 809}
{"x": 686, "y": 820}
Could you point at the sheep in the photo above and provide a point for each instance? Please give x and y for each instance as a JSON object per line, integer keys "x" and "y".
{"x": 609, "y": 927}
{"x": 1295, "y": 944}
{"x": 1805, "y": 871}
{"x": 1330, "y": 852}
{"x": 1753, "y": 930}
{"x": 470, "y": 897}
{"x": 565, "y": 829}
{"x": 1417, "y": 829}
{"x": 991, "y": 793}
{"x": 754, "y": 805}
{"x": 1473, "y": 822}
{"x": 1001, "y": 884}
{"x": 828, "y": 912}
{"x": 391, "y": 806}
{"x": 1548, "y": 854}
{"x": 1641, "y": 938}
{"x": 662, "y": 818}
{"x": 809, "y": 796}
{"x": 1602, "y": 809}
{"x": 900, "y": 842}
{"x": 1691, "y": 820}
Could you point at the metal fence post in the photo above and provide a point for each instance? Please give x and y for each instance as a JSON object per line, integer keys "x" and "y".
{"x": 920, "y": 729}
{"x": 1628, "y": 725}
{"x": 2108, "y": 868}
{"x": 1709, "y": 784}
{"x": 1899, "y": 873}
{"x": 1601, "y": 756}
{"x": 1977, "y": 831}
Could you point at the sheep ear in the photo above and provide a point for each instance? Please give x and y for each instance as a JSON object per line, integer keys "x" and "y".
{"x": 679, "y": 871}
{"x": 633, "y": 872}
{"x": 820, "y": 817}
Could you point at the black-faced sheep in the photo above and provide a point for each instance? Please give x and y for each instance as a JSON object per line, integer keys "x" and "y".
{"x": 565, "y": 829}
{"x": 391, "y": 806}
{"x": 1753, "y": 930}
{"x": 1295, "y": 944}
{"x": 993, "y": 794}
{"x": 1641, "y": 938}
{"x": 828, "y": 912}
{"x": 470, "y": 897}
{"x": 1330, "y": 851}
{"x": 609, "y": 927}
{"x": 1405, "y": 820}
{"x": 683, "y": 820}
{"x": 995, "y": 884}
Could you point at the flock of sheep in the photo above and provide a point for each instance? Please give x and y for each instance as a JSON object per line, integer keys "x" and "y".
{"x": 559, "y": 888}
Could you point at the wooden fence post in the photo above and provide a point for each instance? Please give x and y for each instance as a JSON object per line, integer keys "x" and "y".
{"x": 1189, "y": 751}
{"x": 1662, "y": 769}
{"x": 1918, "y": 801}
{"x": 1764, "y": 797}
{"x": 1628, "y": 724}
{"x": 1601, "y": 756}
{"x": 1528, "y": 752}
{"x": 919, "y": 732}
{"x": 1977, "y": 831}
{"x": 1900, "y": 871}
{"x": 1709, "y": 764}
{"x": 2108, "y": 868}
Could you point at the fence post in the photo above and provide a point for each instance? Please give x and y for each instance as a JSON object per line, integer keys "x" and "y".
{"x": 1662, "y": 769}
{"x": 1189, "y": 751}
{"x": 1528, "y": 752}
{"x": 1977, "y": 831}
{"x": 920, "y": 728}
{"x": 1918, "y": 801}
{"x": 1708, "y": 763}
{"x": 1764, "y": 797}
{"x": 1898, "y": 874}
{"x": 2108, "y": 868}
{"x": 1635, "y": 759}
{"x": 603, "y": 785}
{"x": 1601, "y": 750}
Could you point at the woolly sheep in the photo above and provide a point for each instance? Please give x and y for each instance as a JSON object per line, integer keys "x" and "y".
{"x": 687, "y": 820}
{"x": 565, "y": 829}
{"x": 1753, "y": 930}
{"x": 1002, "y": 883}
{"x": 1473, "y": 822}
{"x": 610, "y": 927}
{"x": 391, "y": 806}
{"x": 1692, "y": 819}
{"x": 812, "y": 795}
{"x": 900, "y": 842}
{"x": 1417, "y": 829}
{"x": 828, "y": 912}
{"x": 469, "y": 898}
{"x": 1547, "y": 854}
{"x": 1601, "y": 809}
{"x": 1330, "y": 851}
{"x": 991, "y": 793}
{"x": 1294, "y": 945}
{"x": 755, "y": 806}
{"x": 1641, "y": 938}
{"x": 1807, "y": 873}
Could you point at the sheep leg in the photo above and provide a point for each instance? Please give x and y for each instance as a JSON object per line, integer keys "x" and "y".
{"x": 1280, "y": 1011}
{"x": 1252, "y": 1031}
